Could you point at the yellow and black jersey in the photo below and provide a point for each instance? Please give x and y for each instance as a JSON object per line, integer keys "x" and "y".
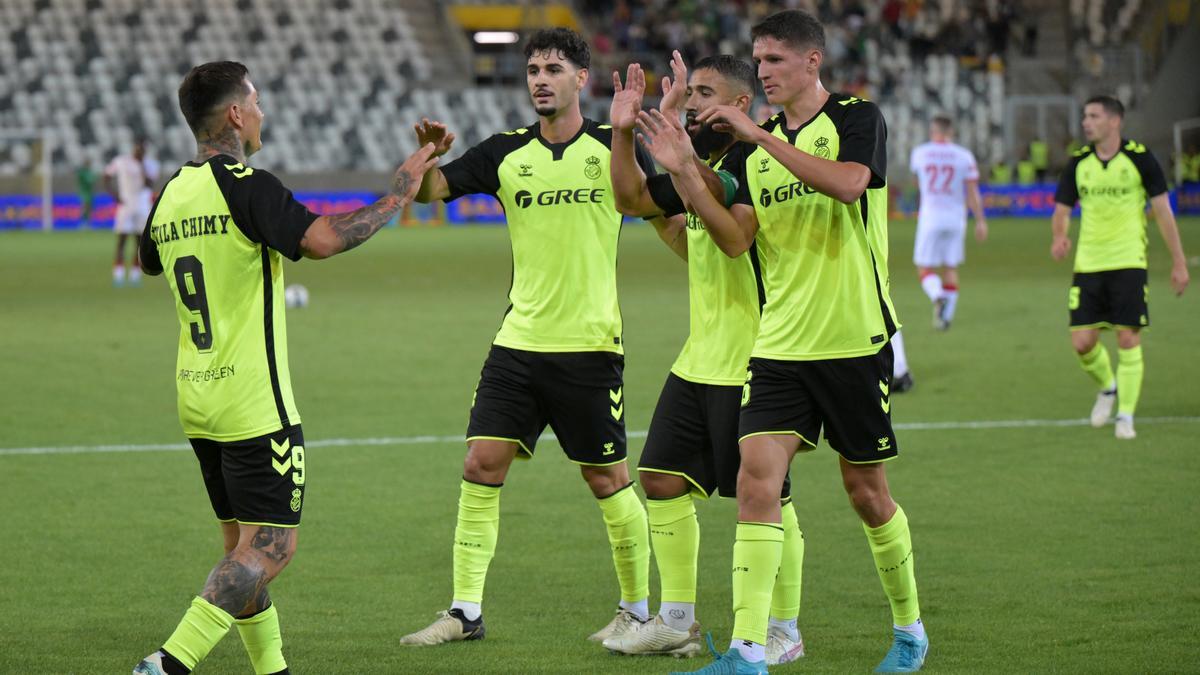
{"x": 1112, "y": 196}
{"x": 724, "y": 294}
{"x": 219, "y": 231}
{"x": 823, "y": 262}
{"x": 564, "y": 226}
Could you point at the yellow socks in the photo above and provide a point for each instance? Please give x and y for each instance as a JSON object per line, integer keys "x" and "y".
{"x": 1097, "y": 365}
{"x": 264, "y": 644}
{"x": 1129, "y": 380}
{"x": 630, "y": 540}
{"x": 675, "y": 533}
{"x": 785, "y": 599}
{"x": 201, "y": 629}
{"x": 475, "y": 538}
{"x": 891, "y": 545}
{"x": 757, "y": 550}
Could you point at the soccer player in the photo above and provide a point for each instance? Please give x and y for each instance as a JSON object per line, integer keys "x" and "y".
{"x": 558, "y": 357}
{"x": 812, "y": 197}
{"x": 220, "y": 229}
{"x": 129, "y": 178}
{"x": 949, "y": 182}
{"x": 692, "y": 447}
{"x": 1111, "y": 179}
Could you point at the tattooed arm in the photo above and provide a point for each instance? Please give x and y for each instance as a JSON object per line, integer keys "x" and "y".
{"x": 330, "y": 235}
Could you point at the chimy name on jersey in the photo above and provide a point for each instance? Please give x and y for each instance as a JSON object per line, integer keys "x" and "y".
{"x": 188, "y": 228}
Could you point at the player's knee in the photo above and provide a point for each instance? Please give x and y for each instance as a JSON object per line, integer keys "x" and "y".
{"x": 605, "y": 481}
{"x": 1128, "y": 339}
{"x": 485, "y": 465}
{"x": 272, "y": 547}
{"x": 756, "y": 490}
{"x": 662, "y": 485}
{"x": 1083, "y": 341}
{"x": 872, "y": 502}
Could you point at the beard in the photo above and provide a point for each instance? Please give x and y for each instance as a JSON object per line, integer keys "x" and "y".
{"x": 545, "y": 110}
{"x": 708, "y": 140}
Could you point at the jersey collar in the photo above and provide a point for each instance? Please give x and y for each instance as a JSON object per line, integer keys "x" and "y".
{"x": 557, "y": 149}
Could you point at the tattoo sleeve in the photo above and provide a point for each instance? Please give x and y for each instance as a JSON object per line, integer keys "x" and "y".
{"x": 356, "y": 227}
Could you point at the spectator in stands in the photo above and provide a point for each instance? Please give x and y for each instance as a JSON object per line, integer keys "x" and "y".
{"x": 1027, "y": 173}
{"x": 1039, "y": 154}
{"x": 1002, "y": 174}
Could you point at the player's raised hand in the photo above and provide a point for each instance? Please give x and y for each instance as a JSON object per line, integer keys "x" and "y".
{"x": 666, "y": 139}
{"x": 408, "y": 177}
{"x": 1060, "y": 247}
{"x": 1179, "y": 278}
{"x": 434, "y": 132}
{"x": 981, "y": 230}
{"x": 731, "y": 120}
{"x": 675, "y": 87}
{"x": 627, "y": 99}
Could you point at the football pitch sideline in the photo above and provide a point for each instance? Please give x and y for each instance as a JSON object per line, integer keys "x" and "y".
{"x": 1041, "y": 544}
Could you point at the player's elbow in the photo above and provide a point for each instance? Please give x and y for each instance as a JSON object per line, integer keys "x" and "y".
{"x": 733, "y": 247}
{"x": 627, "y": 205}
{"x": 319, "y": 241}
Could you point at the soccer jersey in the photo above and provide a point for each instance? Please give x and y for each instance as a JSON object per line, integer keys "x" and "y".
{"x": 1112, "y": 196}
{"x": 724, "y": 301}
{"x": 943, "y": 170}
{"x": 220, "y": 231}
{"x": 564, "y": 226}
{"x": 824, "y": 263}
{"x": 130, "y": 176}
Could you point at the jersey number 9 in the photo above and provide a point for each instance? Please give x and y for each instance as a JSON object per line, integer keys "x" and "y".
{"x": 189, "y": 281}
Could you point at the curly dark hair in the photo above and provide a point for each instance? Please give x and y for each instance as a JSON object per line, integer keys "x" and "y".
{"x": 571, "y": 44}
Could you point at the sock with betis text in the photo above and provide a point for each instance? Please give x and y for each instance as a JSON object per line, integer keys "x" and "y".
{"x": 757, "y": 550}
{"x": 900, "y": 362}
{"x": 891, "y": 546}
{"x": 629, "y": 536}
{"x": 1097, "y": 365}
{"x": 675, "y": 535}
{"x": 1129, "y": 379}
{"x": 263, "y": 641}
{"x": 475, "y": 539}
{"x": 201, "y": 629}
{"x": 785, "y": 598}
{"x": 931, "y": 283}
{"x": 950, "y": 294}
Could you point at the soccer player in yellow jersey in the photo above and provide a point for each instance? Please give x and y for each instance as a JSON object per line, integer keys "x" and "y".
{"x": 220, "y": 230}
{"x": 812, "y": 197}
{"x": 1111, "y": 179}
{"x": 558, "y": 358}
{"x": 692, "y": 447}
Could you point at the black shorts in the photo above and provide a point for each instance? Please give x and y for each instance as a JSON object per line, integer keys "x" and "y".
{"x": 694, "y": 434}
{"x": 1113, "y": 298}
{"x": 848, "y": 398}
{"x": 258, "y": 481}
{"x": 579, "y": 394}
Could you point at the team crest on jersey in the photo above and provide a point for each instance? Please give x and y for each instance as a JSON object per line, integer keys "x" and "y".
{"x": 763, "y": 164}
{"x": 526, "y": 170}
{"x": 592, "y": 170}
{"x": 297, "y": 496}
{"x": 822, "y": 149}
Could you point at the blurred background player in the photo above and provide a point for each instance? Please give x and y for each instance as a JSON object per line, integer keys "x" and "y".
{"x": 130, "y": 180}
{"x": 948, "y": 179}
{"x": 220, "y": 229}
{"x": 692, "y": 445}
{"x": 558, "y": 358}
{"x": 1111, "y": 179}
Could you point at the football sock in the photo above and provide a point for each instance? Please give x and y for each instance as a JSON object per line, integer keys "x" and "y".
{"x": 678, "y": 615}
{"x": 891, "y": 545}
{"x": 475, "y": 539}
{"x": 757, "y": 550}
{"x": 118, "y": 273}
{"x": 629, "y": 536}
{"x": 638, "y": 608}
{"x": 471, "y": 610}
{"x": 785, "y": 598}
{"x": 753, "y": 652}
{"x": 675, "y": 534}
{"x": 135, "y": 274}
{"x": 1129, "y": 379}
{"x": 1097, "y": 365}
{"x": 264, "y": 644}
{"x": 789, "y": 627}
{"x": 916, "y": 629}
{"x": 950, "y": 293}
{"x": 931, "y": 283}
{"x": 202, "y": 627}
{"x": 900, "y": 363}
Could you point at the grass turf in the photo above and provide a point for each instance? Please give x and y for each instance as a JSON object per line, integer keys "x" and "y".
{"x": 1042, "y": 549}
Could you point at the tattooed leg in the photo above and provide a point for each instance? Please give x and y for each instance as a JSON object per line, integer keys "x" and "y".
{"x": 240, "y": 580}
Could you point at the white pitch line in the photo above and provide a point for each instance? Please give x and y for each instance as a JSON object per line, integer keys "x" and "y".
{"x": 426, "y": 440}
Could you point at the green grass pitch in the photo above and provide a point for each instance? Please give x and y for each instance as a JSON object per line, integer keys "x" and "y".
{"x": 1044, "y": 548}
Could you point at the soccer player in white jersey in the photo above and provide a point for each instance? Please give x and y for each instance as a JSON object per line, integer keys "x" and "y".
{"x": 949, "y": 183}
{"x": 128, "y": 178}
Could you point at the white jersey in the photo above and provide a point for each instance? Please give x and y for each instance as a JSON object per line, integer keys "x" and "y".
{"x": 942, "y": 170}
{"x": 131, "y": 176}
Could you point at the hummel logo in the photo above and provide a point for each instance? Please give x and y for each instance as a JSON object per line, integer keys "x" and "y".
{"x": 281, "y": 450}
{"x": 883, "y": 401}
{"x": 526, "y": 170}
{"x": 239, "y": 170}
{"x": 608, "y": 449}
{"x": 762, "y": 164}
{"x": 618, "y": 408}
{"x": 885, "y": 443}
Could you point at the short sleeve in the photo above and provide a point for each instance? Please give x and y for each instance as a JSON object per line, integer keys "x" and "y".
{"x": 110, "y": 169}
{"x": 1067, "y": 193}
{"x": 148, "y": 252}
{"x": 644, "y": 160}
{"x": 476, "y": 172}
{"x": 267, "y": 211}
{"x": 664, "y": 194}
{"x": 1152, "y": 174}
{"x": 971, "y": 168}
{"x": 912, "y": 161}
{"x": 864, "y": 140}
